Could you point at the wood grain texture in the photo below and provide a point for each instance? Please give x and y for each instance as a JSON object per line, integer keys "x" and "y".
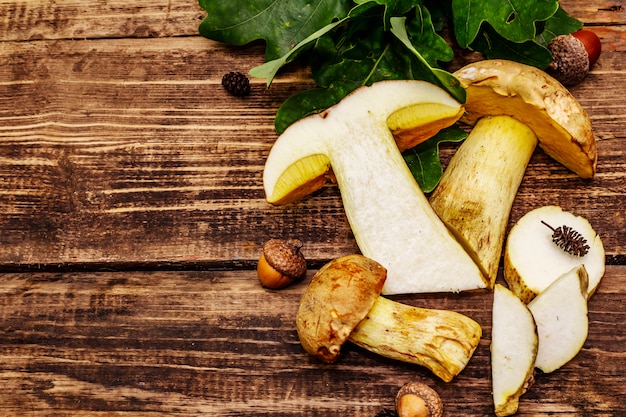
{"x": 132, "y": 216}
{"x": 75, "y": 19}
{"x": 131, "y": 151}
{"x": 214, "y": 343}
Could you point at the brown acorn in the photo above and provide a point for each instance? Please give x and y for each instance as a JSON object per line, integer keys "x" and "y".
{"x": 281, "y": 263}
{"x": 416, "y": 399}
{"x": 573, "y": 56}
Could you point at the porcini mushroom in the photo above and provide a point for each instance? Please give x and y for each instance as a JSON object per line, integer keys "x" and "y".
{"x": 343, "y": 303}
{"x": 389, "y": 214}
{"x": 514, "y": 107}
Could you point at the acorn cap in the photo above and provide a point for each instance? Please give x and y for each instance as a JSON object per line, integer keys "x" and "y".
{"x": 426, "y": 393}
{"x": 570, "y": 60}
{"x": 285, "y": 257}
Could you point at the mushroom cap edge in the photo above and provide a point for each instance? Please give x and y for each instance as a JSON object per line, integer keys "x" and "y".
{"x": 563, "y": 127}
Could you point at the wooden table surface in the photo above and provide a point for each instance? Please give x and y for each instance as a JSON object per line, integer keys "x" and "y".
{"x": 132, "y": 216}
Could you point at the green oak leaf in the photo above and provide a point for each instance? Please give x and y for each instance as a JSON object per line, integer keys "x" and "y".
{"x": 269, "y": 69}
{"x": 282, "y": 24}
{"x": 432, "y": 46}
{"x": 512, "y": 19}
{"x": 493, "y": 46}
{"x": 423, "y": 160}
{"x": 437, "y": 76}
{"x": 559, "y": 24}
{"x": 393, "y": 8}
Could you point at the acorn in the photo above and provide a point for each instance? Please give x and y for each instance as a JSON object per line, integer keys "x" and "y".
{"x": 573, "y": 56}
{"x": 281, "y": 263}
{"x": 416, "y": 399}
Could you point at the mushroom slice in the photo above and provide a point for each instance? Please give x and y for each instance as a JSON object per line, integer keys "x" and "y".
{"x": 560, "y": 312}
{"x": 342, "y": 303}
{"x": 389, "y": 214}
{"x": 536, "y": 252}
{"x": 514, "y": 343}
{"x": 514, "y": 107}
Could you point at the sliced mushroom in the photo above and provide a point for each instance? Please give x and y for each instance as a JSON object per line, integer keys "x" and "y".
{"x": 342, "y": 303}
{"x": 514, "y": 107}
{"x": 389, "y": 214}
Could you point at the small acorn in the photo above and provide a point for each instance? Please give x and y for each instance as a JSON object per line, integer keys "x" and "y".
{"x": 281, "y": 263}
{"x": 573, "y": 56}
{"x": 416, "y": 399}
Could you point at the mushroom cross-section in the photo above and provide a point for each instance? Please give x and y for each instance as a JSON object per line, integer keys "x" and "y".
{"x": 343, "y": 303}
{"x": 513, "y": 107}
{"x": 389, "y": 214}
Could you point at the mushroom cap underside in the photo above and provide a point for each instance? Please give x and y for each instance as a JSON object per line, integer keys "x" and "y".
{"x": 501, "y": 87}
{"x": 339, "y": 296}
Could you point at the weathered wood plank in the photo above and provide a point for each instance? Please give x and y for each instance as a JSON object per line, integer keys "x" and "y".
{"x": 74, "y": 19}
{"x": 597, "y": 13}
{"x": 120, "y": 150}
{"x": 216, "y": 343}
{"x": 131, "y": 151}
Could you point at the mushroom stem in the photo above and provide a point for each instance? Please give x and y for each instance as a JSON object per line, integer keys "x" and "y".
{"x": 440, "y": 340}
{"x": 476, "y": 192}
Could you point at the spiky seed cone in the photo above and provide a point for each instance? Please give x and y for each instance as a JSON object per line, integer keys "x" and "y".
{"x": 236, "y": 83}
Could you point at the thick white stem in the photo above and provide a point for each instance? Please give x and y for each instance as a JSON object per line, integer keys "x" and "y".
{"x": 392, "y": 220}
{"x": 388, "y": 212}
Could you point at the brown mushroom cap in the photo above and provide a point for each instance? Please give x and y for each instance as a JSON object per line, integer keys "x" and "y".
{"x": 339, "y": 296}
{"x": 530, "y": 95}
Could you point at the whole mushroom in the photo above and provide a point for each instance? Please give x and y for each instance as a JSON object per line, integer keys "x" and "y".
{"x": 342, "y": 303}
{"x": 513, "y": 107}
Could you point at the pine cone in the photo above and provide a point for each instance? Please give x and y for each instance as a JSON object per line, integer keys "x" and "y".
{"x": 236, "y": 83}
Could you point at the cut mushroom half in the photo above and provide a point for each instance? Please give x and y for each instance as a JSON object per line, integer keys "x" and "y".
{"x": 389, "y": 214}
{"x": 513, "y": 107}
{"x": 343, "y": 303}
